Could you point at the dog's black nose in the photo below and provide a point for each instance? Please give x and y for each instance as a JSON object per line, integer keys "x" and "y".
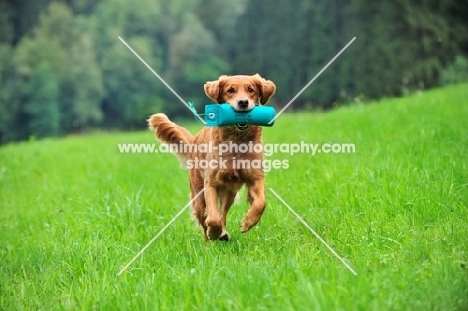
{"x": 243, "y": 103}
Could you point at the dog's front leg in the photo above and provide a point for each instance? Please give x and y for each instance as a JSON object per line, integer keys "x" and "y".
{"x": 226, "y": 201}
{"x": 212, "y": 221}
{"x": 257, "y": 202}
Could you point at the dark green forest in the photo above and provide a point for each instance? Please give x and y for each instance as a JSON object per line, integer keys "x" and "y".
{"x": 63, "y": 69}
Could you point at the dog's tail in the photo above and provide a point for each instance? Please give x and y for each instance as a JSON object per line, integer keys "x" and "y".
{"x": 170, "y": 133}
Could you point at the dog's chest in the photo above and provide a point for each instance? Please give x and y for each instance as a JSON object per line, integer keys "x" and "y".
{"x": 238, "y": 168}
{"x": 227, "y": 176}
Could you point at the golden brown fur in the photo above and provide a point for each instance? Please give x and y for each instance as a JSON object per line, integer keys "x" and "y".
{"x": 222, "y": 184}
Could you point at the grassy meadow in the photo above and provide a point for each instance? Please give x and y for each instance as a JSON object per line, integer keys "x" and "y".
{"x": 74, "y": 211}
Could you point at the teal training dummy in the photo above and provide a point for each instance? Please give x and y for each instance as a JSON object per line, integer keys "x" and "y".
{"x": 225, "y": 115}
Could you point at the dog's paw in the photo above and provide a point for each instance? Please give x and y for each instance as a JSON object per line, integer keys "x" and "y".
{"x": 224, "y": 236}
{"x": 214, "y": 232}
{"x": 246, "y": 225}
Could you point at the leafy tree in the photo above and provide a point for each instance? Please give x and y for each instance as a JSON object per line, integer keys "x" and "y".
{"x": 193, "y": 59}
{"x": 171, "y": 39}
{"x": 221, "y": 18}
{"x": 83, "y": 6}
{"x": 23, "y": 16}
{"x": 129, "y": 84}
{"x": 26, "y": 59}
{"x": 88, "y": 89}
{"x": 456, "y": 72}
{"x": 42, "y": 105}
{"x": 6, "y": 35}
{"x": 43, "y": 48}
{"x": 132, "y": 91}
{"x": 6, "y": 72}
{"x": 68, "y": 49}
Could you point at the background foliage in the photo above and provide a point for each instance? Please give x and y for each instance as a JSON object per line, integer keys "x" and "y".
{"x": 62, "y": 68}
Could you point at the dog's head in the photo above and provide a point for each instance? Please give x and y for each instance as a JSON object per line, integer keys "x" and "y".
{"x": 241, "y": 92}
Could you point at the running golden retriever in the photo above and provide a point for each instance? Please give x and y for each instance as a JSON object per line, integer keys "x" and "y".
{"x": 221, "y": 183}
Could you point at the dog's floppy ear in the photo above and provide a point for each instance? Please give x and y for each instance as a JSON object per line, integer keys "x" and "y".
{"x": 213, "y": 88}
{"x": 266, "y": 87}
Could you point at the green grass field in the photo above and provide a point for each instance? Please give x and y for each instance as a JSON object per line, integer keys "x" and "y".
{"x": 74, "y": 211}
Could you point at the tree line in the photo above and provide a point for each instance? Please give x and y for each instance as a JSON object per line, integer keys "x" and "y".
{"x": 63, "y": 69}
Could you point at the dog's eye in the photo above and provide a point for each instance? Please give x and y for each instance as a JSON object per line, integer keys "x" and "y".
{"x": 250, "y": 89}
{"x": 230, "y": 90}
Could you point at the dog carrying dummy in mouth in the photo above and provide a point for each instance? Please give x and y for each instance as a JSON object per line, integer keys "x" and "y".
{"x": 240, "y": 124}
